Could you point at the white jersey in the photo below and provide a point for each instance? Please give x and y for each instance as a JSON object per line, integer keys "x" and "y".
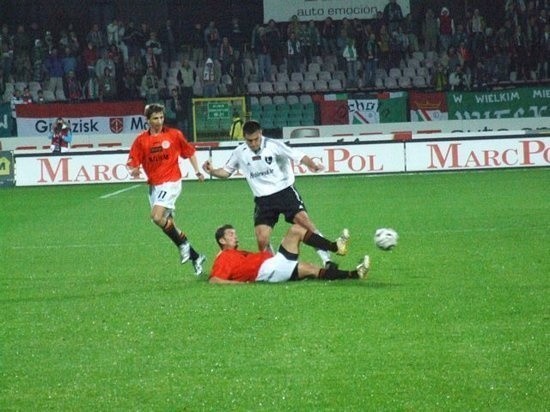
{"x": 268, "y": 170}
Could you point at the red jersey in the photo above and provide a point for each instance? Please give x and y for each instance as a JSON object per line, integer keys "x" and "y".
{"x": 159, "y": 154}
{"x": 239, "y": 265}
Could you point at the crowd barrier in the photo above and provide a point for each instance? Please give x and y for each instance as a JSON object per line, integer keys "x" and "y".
{"x": 463, "y": 152}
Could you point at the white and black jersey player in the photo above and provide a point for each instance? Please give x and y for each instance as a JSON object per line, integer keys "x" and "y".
{"x": 266, "y": 165}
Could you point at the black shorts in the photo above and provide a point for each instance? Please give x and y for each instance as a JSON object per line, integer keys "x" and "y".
{"x": 268, "y": 208}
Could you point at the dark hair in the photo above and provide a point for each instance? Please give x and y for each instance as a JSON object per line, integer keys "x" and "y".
{"x": 153, "y": 108}
{"x": 251, "y": 126}
{"x": 220, "y": 232}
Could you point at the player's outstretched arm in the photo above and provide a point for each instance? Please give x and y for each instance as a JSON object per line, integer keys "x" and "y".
{"x": 219, "y": 172}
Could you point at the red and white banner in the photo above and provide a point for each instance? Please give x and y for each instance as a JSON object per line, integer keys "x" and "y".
{"x": 427, "y": 107}
{"x": 85, "y": 118}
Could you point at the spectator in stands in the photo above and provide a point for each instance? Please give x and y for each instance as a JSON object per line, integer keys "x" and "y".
{"x": 15, "y": 100}
{"x": 293, "y": 26}
{"x": 520, "y": 56}
{"x": 151, "y": 60}
{"x": 384, "y": 47}
{"x": 274, "y": 40}
{"x": 69, "y": 61}
{"x": 446, "y": 27}
{"x": 175, "y": 112}
{"x": 476, "y": 28}
{"x": 358, "y": 34}
{"x": 119, "y": 41}
{"x": 103, "y": 62}
{"x": 263, "y": 54}
{"x": 40, "y": 97}
{"x": 410, "y": 29}
{"x": 197, "y": 43}
{"x": 97, "y": 37}
{"x": 236, "y": 35}
{"x": 7, "y": 58}
{"x": 48, "y": 42}
{"x": 22, "y": 43}
{"x": 155, "y": 45}
{"x": 396, "y": 49}
{"x": 226, "y": 55}
{"x": 5, "y": 35}
{"x": 430, "y": 31}
{"x": 465, "y": 57}
{"x": 3, "y": 81}
{"x": 107, "y": 86}
{"x": 210, "y": 79}
{"x": 237, "y": 73}
{"x": 350, "y": 55}
{"x": 458, "y": 80}
{"x": 91, "y": 88}
{"x": 22, "y": 68}
{"x": 143, "y": 33}
{"x": 26, "y": 96}
{"x": 439, "y": 78}
{"x": 212, "y": 40}
{"x": 169, "y": 40}
{"x": 131, "y": 40}
{"x": 459, "y": 36}
{"x": 54, "y": 70}
{"x": 150, "y": 88}
{"x": 72, "y": 87}
{"x": 37, "y": 60}
{"x": 328, "y": 37}
{"x": 186, "y": 79}
{"x": 544, "y": 48}
{"x": 113, "y": 35}
{"x": 293, "y": 54}
{"x": 393, "y": 15}
{"x": 370, "y": 57}
{"x": 312, "y": 41}
{"x": 89, "y": 58}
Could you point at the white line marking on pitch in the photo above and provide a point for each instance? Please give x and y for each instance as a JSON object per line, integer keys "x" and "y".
{"x": 118, "y": 192}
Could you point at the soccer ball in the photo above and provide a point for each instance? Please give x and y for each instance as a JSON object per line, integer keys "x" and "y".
{"x": 385, "y": 239}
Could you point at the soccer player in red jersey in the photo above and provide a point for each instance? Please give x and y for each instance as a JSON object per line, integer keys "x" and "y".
{"x": 236, "y": 266}
{"x": 157, "y": 150}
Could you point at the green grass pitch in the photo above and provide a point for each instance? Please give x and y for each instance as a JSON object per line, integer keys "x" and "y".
{"x": 98, "y": 314}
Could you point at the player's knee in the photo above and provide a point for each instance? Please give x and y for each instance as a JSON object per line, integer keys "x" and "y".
{"x": 157, "y": 219}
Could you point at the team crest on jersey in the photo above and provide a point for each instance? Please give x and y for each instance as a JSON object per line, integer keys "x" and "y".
{"x": 165, "y": 144}
{"x": 269, "y": 159}
{"x": 116, "y": 124}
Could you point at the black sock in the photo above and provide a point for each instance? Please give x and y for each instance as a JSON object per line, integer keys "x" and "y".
{"x": 332, "y": 273}
{"x": 173, "y": 233}
{"x": 193, "y": 253}
{"x": 319, "y": 242}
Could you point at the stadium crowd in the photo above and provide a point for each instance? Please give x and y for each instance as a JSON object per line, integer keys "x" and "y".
{"x": 128, "y": 61}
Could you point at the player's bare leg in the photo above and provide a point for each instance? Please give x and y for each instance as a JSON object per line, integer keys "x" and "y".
{"x": 263, "y": 237}
{"x": 163, "y": 218}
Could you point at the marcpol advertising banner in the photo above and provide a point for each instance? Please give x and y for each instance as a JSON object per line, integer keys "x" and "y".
{"x": 283, "y": 10}
{"x": 519, "y": 102}
{"x": 85, "y": 118}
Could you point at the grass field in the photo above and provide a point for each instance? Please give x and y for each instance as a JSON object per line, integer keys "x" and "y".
{"x": 98, "y": 314}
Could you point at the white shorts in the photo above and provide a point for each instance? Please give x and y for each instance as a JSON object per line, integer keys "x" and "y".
{"x": 276, "y": 269}
{"x": 165, "y": 195}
